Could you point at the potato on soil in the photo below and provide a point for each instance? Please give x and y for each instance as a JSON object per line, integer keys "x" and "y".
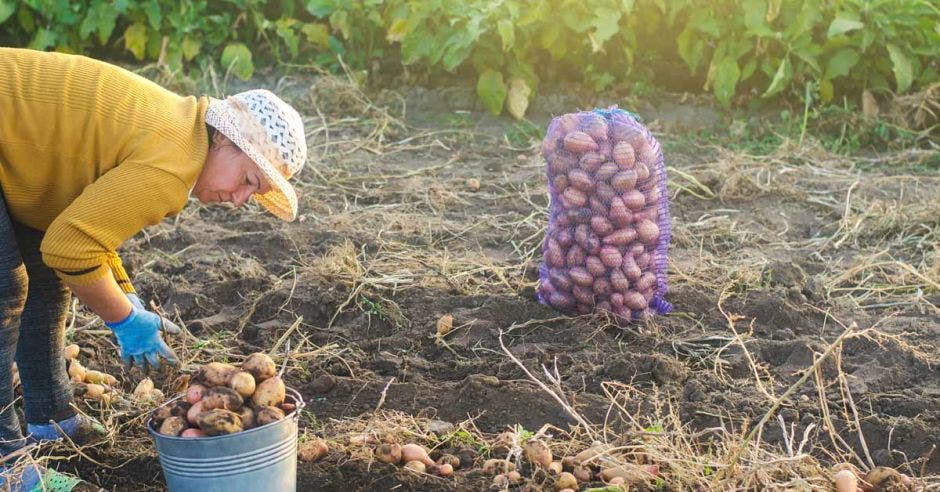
{"x": 445, "y": 470}
{"x": 222, "y": 397}
{"x": 172, "y": 426}
{"x": 219, "y": 422}
{"x": 388, "y": 453}
{"x": 449, "y": 459}
{"x": 566, "y": 480}
{"x": 144, "y": 389}
{"x": 70, "y": 352}
{"x": 537, "y": 453}
{"x": 216, "y": 373}
{"x": 98, "y": 377}
{"x": 243, "y": 383}
{"x": 415, "y": 452}
{"x": 312, "y": 450}
{"x": 268, "y": 415}
{"x": 270, "y": 393}
{"x": 416, "y": 466}
{"x": 494, "y": 466}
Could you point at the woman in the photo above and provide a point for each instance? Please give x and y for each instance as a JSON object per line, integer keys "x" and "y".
{"x": 90, "y": 154}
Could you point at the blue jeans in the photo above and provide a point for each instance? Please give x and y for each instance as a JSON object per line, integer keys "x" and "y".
{"x": 33, "y": 307}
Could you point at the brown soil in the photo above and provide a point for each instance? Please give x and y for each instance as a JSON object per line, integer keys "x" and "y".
{"x": 392, "y": 237}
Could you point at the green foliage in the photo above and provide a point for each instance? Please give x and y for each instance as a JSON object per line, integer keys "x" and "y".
{"x": 739, "y": 50}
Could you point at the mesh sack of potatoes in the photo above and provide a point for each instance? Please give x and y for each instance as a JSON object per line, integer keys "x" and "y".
{"x": 609, "y": 225}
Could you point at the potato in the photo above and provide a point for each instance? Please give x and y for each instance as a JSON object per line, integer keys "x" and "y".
{"x": 634, "y": 300}
{"x": 312, "y": 450}
{"x": 564, "y": 237}
{"x": 618, "y": 281}
{"x": 647, "y": 231}
{"x": 561, "y": 301}
{"x": 98, "y": 377}
{"x": 514, "y": 477}
{"x": 172, "y": 426}
{"x": 449, "y": 459}
{"x": 560, "y": 279}
{"x": 604, "y": 192}
{"x": 573, "y": 198}
{"x": 630, "y": 269}
{"x": 601, "y": 226}
{"x": 222, "y": 397}
{"x": 594, "y": 125}
{"x": 216, "y": 374}
{"x": 268, "y": 415}
{"x": 495, "y": 466}
{"x": 287, "y": 407}
{"x": 415, "y": 452}
{"x": 553, "y": 254}
{"x": 575, "y": 256}
{"x": 579, "y": 142}
{"x": 621, "y": 237}
{"x": 271, "y": 392}
{"x": 595, "y": 266}
{"x": 76, "y": 371}
{"x": 537, "y": 453}
{"x": 555, "y": 468}
{"x": 562, "y": 162}
{"x": 243, "y": 383}
{"x": 624, "y": 180}
{"x": 590, "y": 161}
{"x": 416, "y": 466}
{"x": 616, "y": 300}
{"x": 195, "y": 392}
{"x": 647, "y": 281}
{"x": 70, "y": 352}
{"x": 582, "y": 473}
{"x": 219, "y": 422}
{"x": 248, "y": 417}
{"x": 620, "y": 214}
{"x": 581, "y": 180}
{"x": 606, "y": 172}
{"x": 598, "y": 208}
{"x": 583, "y": 295}
{"x": 93, "y": 390}
{"x": 623, "y": 154}
{"x": 611, "y": 257}
{"x": 388, "y": 453}
{"x": 566, "y": 480}
{"x": 642, "y": 172}
{"x": 581, "y": 276}
{"x": 144, "y": 389}
{"x": 161, "y": 413}
{"x": 193, "y": 432}
{"x": 601, "y": 287}
{"x": 445, "y": 470}
{"x": 642, "y": 260}
{"x": 193, "y": 412}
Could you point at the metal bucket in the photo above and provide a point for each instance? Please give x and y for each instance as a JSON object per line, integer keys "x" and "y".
{"x": 263, "y": 458}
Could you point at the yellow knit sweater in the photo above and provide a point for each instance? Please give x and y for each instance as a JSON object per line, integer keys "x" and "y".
{"x": 92, "y": 154}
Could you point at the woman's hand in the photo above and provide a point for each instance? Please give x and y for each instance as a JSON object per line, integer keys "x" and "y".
{"x": 139, "y": 336}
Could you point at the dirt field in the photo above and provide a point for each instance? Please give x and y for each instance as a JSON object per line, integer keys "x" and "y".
{"x": 410, "y": 215}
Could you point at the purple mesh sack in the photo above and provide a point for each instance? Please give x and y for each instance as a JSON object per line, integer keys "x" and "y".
{"x": 609, "y": 225}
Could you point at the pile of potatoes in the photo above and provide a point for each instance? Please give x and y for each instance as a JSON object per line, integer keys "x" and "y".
{"x": 89, "y": 384}
{"x": 415, "y": 457}
{"x": 600, "y": 250}
{"x": 225, "y": 399}
{"x": 594, "y": 463}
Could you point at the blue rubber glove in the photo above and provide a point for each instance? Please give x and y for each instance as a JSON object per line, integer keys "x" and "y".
{"x": 168, "y": 326}
{"x": 139, "y": 337}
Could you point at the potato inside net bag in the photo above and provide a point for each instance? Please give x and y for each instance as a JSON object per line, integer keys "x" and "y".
{"x": 609, "y": 225}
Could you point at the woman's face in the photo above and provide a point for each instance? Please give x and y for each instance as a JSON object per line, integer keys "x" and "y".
{"x": 229, "y": 175}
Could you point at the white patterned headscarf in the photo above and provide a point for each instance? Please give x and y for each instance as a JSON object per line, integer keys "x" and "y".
{"x": 271, "y": 133}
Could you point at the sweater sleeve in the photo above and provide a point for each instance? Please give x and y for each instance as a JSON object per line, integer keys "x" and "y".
{"x": 80, "y": 243}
